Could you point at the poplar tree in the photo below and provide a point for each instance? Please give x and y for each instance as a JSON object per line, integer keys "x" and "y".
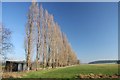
{"x": 30, "y": 31}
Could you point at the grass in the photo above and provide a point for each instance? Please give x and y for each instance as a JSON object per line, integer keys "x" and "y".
{"x": 71, "y": 72}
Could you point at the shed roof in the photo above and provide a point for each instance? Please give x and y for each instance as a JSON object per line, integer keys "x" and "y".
{"x": 16, "y": 61}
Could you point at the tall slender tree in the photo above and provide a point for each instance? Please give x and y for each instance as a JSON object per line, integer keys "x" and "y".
{"x": 30, "y": 38}
{"x": 38, "y": 36}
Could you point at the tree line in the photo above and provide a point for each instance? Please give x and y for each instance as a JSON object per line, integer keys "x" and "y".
{"x": 46, "y": 41}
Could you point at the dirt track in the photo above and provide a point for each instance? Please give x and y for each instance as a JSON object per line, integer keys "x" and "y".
{"x": 98, "y": 76}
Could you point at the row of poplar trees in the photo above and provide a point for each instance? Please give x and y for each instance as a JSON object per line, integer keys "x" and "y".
{"x": 45, "y": 39}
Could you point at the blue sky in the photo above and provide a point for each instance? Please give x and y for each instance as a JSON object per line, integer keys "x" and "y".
{"x": 91, "y": 28}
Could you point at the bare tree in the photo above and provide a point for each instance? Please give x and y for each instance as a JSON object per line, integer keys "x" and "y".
{"x": 5, "y": 43}
{"x": 44, "y": 38}
{"x": 29, "y": 36}
{"x": 28, "y": 43}
{"x": 38, "y": 43}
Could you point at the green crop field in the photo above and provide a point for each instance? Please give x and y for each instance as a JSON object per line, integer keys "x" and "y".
{"x": 71, "y": 72}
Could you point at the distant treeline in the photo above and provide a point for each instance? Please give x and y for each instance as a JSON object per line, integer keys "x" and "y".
{"x": 105, "y": 62}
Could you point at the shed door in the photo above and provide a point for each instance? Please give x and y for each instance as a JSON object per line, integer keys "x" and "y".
{"x": 19, "y": 67}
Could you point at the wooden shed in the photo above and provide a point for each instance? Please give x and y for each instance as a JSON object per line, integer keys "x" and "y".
{"x": 12, "y": 66}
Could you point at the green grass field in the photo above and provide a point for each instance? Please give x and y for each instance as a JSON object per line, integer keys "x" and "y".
{"x": 71, "y": 72}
